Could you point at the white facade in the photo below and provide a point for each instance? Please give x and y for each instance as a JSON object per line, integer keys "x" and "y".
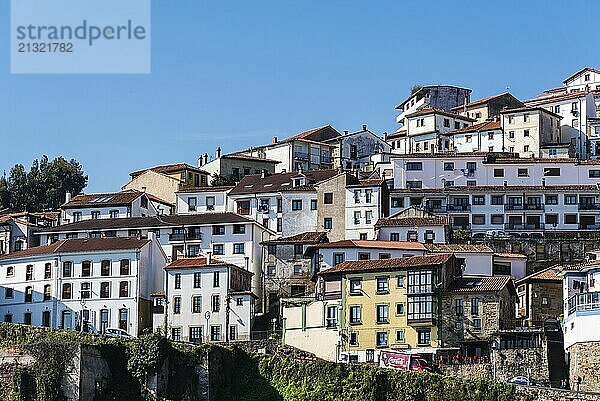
{"x": 364, "y": 206}
{"x": 581, "y": 292}
{"x": 205, "y": 200}
{"x": 197, "y": 297}
{"x": 86, "y": 284}
{"x": 426, "y": 130}
{"x": 485, "y": 140}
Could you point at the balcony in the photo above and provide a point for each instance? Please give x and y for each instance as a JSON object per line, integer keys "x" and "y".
{"x": 526, "y": 206}
{"x": 519, "y": 226}
{"x": 589, "y": 301}
{"x": 583, "y": 226}
{"x": 458, "y": 208}
{"x": 301, "y": 156}
{"x": 185, "y": 236}
{"x": 326, "y": 160}
{"x": 589, "y": 206}
{"x": 465, "y": 226}
{"x": 435, "y": 208}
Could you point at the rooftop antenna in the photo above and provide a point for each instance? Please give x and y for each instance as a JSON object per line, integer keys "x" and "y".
{"x": 508, "y": 88}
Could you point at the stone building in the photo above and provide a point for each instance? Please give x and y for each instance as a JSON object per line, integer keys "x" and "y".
{"x": 331, "y": 213}
{"x": 235, "y": 166}
{"x": 474, "y": 309}
{"x": 287, "y": 271}
{"x": 489, "y": 107}
{"x": 354, "y": 149}
{"x": 539, "y": 297}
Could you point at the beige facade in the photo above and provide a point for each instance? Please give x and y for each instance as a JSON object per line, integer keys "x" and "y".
{"x": 160, "y": 185}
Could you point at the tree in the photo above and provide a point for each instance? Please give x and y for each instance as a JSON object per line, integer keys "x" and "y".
{"x": 43, "y": 187}
{"x": 415, "y": 88}
{"x": 218, "y": 180}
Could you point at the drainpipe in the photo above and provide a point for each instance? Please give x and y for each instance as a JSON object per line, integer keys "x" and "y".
{"x": 227, "y": 306}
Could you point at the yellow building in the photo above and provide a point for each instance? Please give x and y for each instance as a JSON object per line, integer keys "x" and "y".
{"x": 390, "y": 304}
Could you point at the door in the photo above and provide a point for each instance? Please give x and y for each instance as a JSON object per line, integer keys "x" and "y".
{"x": 104, "y": 323}
{"x": 123, "y": 319}
{"x": 533, "y": 222}
{"x": 46, "y": 318}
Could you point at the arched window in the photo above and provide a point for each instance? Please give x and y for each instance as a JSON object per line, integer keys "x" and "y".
{"x": 105, "y": 268}
{"x": 125, "y": 267}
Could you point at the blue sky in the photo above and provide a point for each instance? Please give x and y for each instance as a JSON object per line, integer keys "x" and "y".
{"x": 234, "y": 74}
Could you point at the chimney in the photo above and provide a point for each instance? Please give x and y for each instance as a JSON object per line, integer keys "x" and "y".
{"x": 68, "y": 197}
{"x": 274, "y": 140}
{"x": 364, "y": 127}
{"x": 200, "y": 159}
{"x": 300, "y": 169}
{"x": 144, "y": 189}
{"x": 543, "y": 182}
{"x": 218, "y": 153}
{"x": 263, "y": 173}
{"x": 208, "y": 258}
{"x": 345, "y": 132}
{"x": 205, "y": 159}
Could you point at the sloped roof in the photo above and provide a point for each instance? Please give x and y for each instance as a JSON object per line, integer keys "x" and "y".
{"x": 480, "y": 284}
{"x": 374, "y": 244}
{"x": 242, "y": 156}
{"x": 122, "y": 198}
{"x": 169, "y": 168}
{"x": 438, "y": 220}
{"x": 483, "y": 100}
{"x": 80, "y": 245}
{"x": 529, "y": 108}
{"x": 484, "y": 126}
{"x": 584, "y": 69}
{"x": 580, "y": 266}
{"x": 551, "y": 273}
{"x": 450, "y": 248}
{"x": 175, "y": 220}
{"x": 310, "y": 237}
{"x": 428, "y": 110}
{"x": 194, "y": 262}
{"x": 556, "y": 98}
{"x": 251, "y": 184}
{"x": 387, "y": 264}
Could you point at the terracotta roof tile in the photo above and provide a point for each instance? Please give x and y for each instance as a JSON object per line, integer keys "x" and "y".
{"x": 169, "y": 168}
{"x": 242, "y": 156}
{"x": 529, "y": 108}
{"x": 551, "y": 273}
{"x": 480, "y": 284}
{"x": 484, "y": 126}
{"x": 557, "y": 98}
{"x": 451, "y": 248}
{"x": 387, "y": 264}
{"x": 103, "y": 199}
{"x": 80, "y": 245}
{"x": 375, "y": 244}
{"x": 251, "y": 184}
{"x": 440, "y": 220}
{"x": 194, "y": 262}
{"x": 311, "y": 237}
{"x": 584, "y": 69}
{"x": 482, "y": 101}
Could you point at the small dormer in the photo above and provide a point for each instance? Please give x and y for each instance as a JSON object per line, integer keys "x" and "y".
{"x": 299, "y": 181}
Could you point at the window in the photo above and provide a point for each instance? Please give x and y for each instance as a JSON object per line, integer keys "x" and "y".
{"x": 552, "y": 219}
{"x": 67, "y": 291}
{"x": 176, "y": 305}
{"x": 95, "y": 234}
{"x": 459, "y": 307}
{"x": 331, "y": 319}
{"x": 177, "y": 281}
{"x": 414, "y": 166}
{"x": 497, "y": 199}
{"x": 511, "y": 134}
{"x": 216, "y": 279}
{"x": 420, "y": 307}
{"x": 364, "y": 256}
{"x": 400, "y": 281}
{"x": 124, "y": 289}
{"x": 10, "y": 271}
{"x": 382, "y": 339}
{"x": 279, "y": 224}
{"x": 552, "y": 199}
{"x": 313, "y": 204}
{"x": 196, "y": 304}
{"x": 8, "y": 293}
{"x": 47, "y": 292}
{"x": 446, "y": 122}
{"x": 328, "y": 198}
{"x": 239, "y": 229}
{"x": 458, "y": 326}
{"x": 468, "y": 138}
{"x": 399, "y": 309}
{"x": 399, "y": 202}
{"x": 570, "y": 199}
{"x": 399, "y": 336}
{"x": 218, "y": 249}
{"x": 414, "y": 184}
{"x": 47, "y": 271}
{"x": 420, "y": 122}
{"x": 105, "y": 290}
{"x": 297, "y": 204}
{"x": 338, "y": 258}
{"x": 498, "y": 172}
{"x": 210, "y": 203}
{"x": 271, "y": 270}
{"x": 368, "y": 195}
{"x": 76, "y": 216}
{"x": 29, "y": 273}
{"x": 383, "y": 314}
{"x": 477, "y": 324}
{"x": 384, "y": 256}
{"x": 297, "y": 270}
{"x": 570, "y": 219}
{"x": 192, "y": 201}
{"x": 474, "y": 306}
{"x": 424, "y": 337}
{"x": 355, "y": 315}
{"x": 456, "y": 125}
{"x": 239, "y": 301}
{"x": 478, "y": 219}
{"x": 355, "y": 286}
{"x": 356, "y": 218}
{"x": 215, "y": 333}
{"x": 196, "y": 335}
{"x": 243, "y": 207}
{"x": 114, "y": 214}
{"x": 478, "y": 199}
{"x": 27, "y": 318}
{"x": 552, "y": 172}
{"x": 383, "y": 285}
{"x": 497, "y": 219}
{"x": 511, "y": 119}
{"x": 218, "y": 230}
{"x": 238, "y": 248}
{"x": 327, "y": 223}
{"x": 526, "y": 148}
{"x": 357, "y": 196}
{"x": 197, "y": 280}
{"x": 353, "y": 338}
{"x": 594, "y": 173}
{"x": 105, "y": 268}
{"x": 448, "y": 166}
{"x": 552, "y": 152}
{"x": 86, "y": 290}
{"x": 216, "y": 303}
{"x": 86, "y": 269}
{"x": 522, "y": 172}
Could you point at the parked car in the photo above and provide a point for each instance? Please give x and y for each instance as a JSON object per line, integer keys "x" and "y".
{"x": 536, "y": 236}
{"x": 119, "y": 333}
{"x": 478, "y": 236}
{"x": 521, "y": 380}
{"x": 496, "y": 234}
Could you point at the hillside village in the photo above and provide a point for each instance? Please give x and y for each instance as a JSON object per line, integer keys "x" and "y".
{"x": 470, "y": 237}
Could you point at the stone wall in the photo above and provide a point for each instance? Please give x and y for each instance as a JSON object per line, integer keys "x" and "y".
{"x": 531, "y": 362}
{"x": 584, "y": 361}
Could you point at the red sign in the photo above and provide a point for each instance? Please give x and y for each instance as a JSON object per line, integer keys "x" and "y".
{"x": 394, "y": 360}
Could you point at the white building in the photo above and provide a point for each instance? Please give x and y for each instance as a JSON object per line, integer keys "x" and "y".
{"x": 366, "y": 203}
{"x": 128, "y": 203}
{"x": 353, "y": 150}
{"x": 208, "y": 300}
{"x": 444, "y": 97}
{"x": 230, "y": 237}
{"x": 83, "y": 284}
{"x": 414, "y": 224}
{"x": 203, "y": 200}
{"x": 487, "y": 136}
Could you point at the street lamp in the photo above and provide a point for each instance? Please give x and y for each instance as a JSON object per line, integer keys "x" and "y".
{"x": 207, "y": 317}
